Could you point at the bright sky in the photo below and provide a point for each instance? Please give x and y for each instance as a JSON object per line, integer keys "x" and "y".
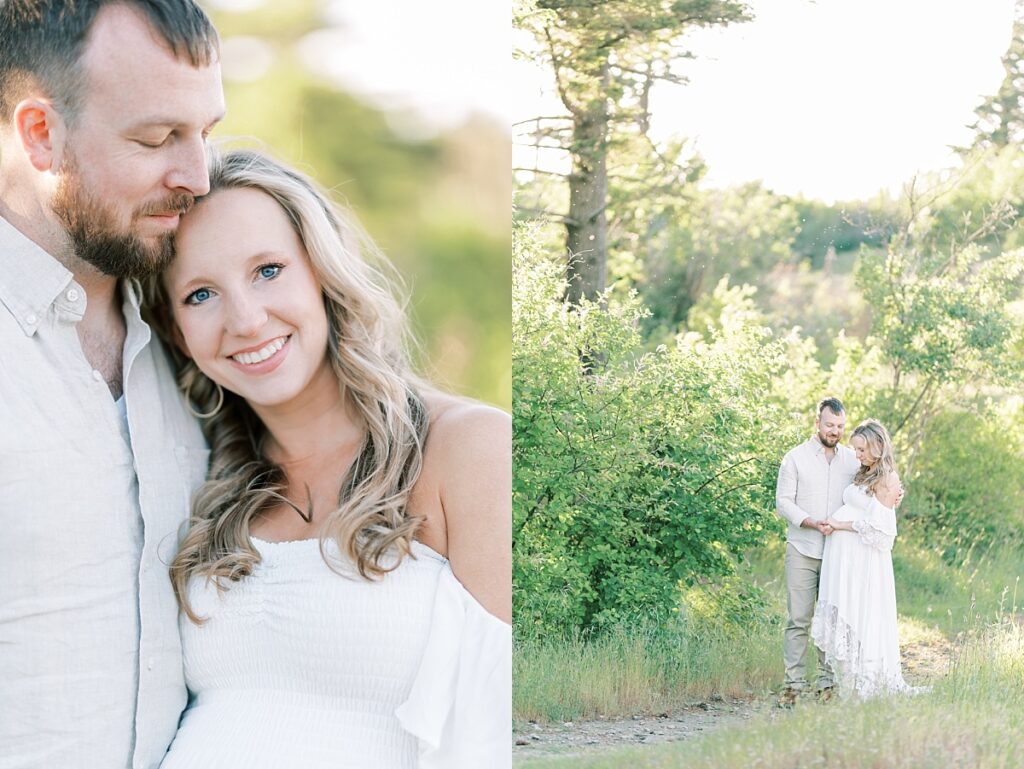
{"x": 833, "y": 99}
{"x": 443, "y": 59}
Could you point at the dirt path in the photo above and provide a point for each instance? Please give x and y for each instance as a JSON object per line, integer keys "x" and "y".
{"x": 924, "y": 659}
{"x": 536, "y": 740}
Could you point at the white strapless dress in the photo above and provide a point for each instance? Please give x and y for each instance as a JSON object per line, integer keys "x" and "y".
{"x": 297, "y": 666}
{"x": 855, "y": 617}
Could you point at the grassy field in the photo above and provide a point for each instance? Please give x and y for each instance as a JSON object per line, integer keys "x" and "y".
{"x": 967, "y": 617}
{"x": 974, "y": 718}
{"x": 632, "y": 671}
{"x": 641, "y": 669}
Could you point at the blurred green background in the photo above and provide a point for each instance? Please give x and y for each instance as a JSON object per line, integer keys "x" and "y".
{"x": 434, "y": 194}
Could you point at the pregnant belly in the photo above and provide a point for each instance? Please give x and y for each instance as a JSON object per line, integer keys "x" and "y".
{"x": 846, "y": 513}
{"x": 268, "y": 729}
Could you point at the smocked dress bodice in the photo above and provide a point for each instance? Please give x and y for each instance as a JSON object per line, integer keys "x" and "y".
{"x": 298, "y": 665}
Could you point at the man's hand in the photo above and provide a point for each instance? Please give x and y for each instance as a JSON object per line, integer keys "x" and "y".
{"x": 899, "y": 498}
{"x": 810, "y": 523}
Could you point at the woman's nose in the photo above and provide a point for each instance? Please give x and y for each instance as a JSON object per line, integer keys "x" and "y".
{"x": 245, "y": 317}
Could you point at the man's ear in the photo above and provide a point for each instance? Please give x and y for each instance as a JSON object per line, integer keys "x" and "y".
{"x": 41, "y": 131}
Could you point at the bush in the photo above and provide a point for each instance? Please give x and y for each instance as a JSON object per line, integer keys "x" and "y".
{"x": 634, "y": 472}
{"x": 968, "y": 489}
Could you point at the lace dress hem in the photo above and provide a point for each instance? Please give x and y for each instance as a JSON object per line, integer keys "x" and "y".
{"x": 844, "y": 655}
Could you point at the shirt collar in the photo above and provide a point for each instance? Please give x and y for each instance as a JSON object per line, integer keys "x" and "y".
{"x": 131, "y": 289}
{"x": 819, "y": 448}
{"x": 817, "y": 445}
{"x": 30, "y": 279}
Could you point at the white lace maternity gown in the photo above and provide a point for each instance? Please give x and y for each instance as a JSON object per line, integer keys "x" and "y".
{"x": 855, "y": 617}
{"x": 300, "y": 667}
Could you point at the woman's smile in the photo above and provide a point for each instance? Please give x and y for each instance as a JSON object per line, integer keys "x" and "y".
{"x": 262, "y": 358}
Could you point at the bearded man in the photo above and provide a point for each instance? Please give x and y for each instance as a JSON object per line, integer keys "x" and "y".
{"x": 104, "y": 112}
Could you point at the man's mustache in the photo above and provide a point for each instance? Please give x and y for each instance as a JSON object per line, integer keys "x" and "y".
{"x": 180, "y": 203}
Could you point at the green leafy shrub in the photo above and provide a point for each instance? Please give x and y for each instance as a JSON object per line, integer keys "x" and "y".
{"x": 968, "y": 489}
{"x": 634, "y": 471}
{"x": 730, "y": 606}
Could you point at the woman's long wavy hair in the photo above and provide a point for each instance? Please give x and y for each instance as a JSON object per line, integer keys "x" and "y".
{"x": 367, "y": 349}
{"x": 879, "y": 445}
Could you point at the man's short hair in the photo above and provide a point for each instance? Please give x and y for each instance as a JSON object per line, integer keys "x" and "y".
{"x": 832, "y": 404}
{"x": 42, "y": 41}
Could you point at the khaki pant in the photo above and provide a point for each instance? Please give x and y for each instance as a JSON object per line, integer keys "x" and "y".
{"x": 802, "y": 588}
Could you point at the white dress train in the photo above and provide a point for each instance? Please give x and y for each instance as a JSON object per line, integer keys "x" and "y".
{"x": 855, "y": 617}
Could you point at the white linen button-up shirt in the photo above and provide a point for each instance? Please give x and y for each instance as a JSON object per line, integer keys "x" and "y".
{"x": 90, "y": 660}
{"x": 810, "y": 486}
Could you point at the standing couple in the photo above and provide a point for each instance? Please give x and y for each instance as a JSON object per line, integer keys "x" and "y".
{"x": 840, "y": 503}
{"x": 344, "y": 579}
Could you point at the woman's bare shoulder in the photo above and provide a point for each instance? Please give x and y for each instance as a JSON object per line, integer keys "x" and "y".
{"x": 468, "y": 449}
{"x": 461, "y": 426}
{"x": 888, "y": 489}
{"x": 455, "y": 413}
{"x": 468, "y": 457}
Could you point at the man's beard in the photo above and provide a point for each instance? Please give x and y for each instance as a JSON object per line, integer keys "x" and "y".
{"x": 96, "y": 237}
{"x": 827, "y": 442}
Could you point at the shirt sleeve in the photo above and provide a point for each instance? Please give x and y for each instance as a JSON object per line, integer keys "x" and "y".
{"x": 785, "y": 492}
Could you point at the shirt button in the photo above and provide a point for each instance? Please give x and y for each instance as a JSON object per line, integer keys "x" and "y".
{"x": 150, "y": 663}
{"x": 97, "y": 375}
{"x": 31, "y": 319}
{"x": 72, "y": 294}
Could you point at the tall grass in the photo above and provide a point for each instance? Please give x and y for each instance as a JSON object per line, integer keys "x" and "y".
{"x": 974, "y": 718}
{"x": 957, "y": 598}
{"x": 644, "y": 669}
{"x": 638, "y": 669}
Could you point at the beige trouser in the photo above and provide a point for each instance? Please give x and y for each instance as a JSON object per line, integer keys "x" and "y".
{"x": 802, "y": 588}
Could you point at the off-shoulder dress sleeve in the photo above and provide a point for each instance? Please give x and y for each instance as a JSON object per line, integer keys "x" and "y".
{"x": 460, "y": 704}
{"x": 878, "y": 526}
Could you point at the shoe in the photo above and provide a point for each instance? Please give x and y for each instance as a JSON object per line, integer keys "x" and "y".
{"x": 825, "y": 694}
{"x": 788, "y": 697}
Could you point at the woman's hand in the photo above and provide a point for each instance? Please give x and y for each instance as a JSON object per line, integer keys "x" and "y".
{"x": 835, "y": 526}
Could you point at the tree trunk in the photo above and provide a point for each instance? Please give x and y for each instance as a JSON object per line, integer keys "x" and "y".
{"x": 587, "y": 226}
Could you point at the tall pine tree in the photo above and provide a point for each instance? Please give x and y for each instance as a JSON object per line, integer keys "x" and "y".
{"x": 1001, "y": 116}
{"x": 604, "y": 56}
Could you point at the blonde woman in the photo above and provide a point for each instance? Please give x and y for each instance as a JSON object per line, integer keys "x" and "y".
{"x": 855, "y": 617}
{"x": 345, "y": 583}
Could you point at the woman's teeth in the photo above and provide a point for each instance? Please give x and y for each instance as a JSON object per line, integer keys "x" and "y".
{"x": 249, "y": 358}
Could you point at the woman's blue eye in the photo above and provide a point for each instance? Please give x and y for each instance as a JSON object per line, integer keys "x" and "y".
{"x": 269, "y": 271}
{"x": 198, "y": 296}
